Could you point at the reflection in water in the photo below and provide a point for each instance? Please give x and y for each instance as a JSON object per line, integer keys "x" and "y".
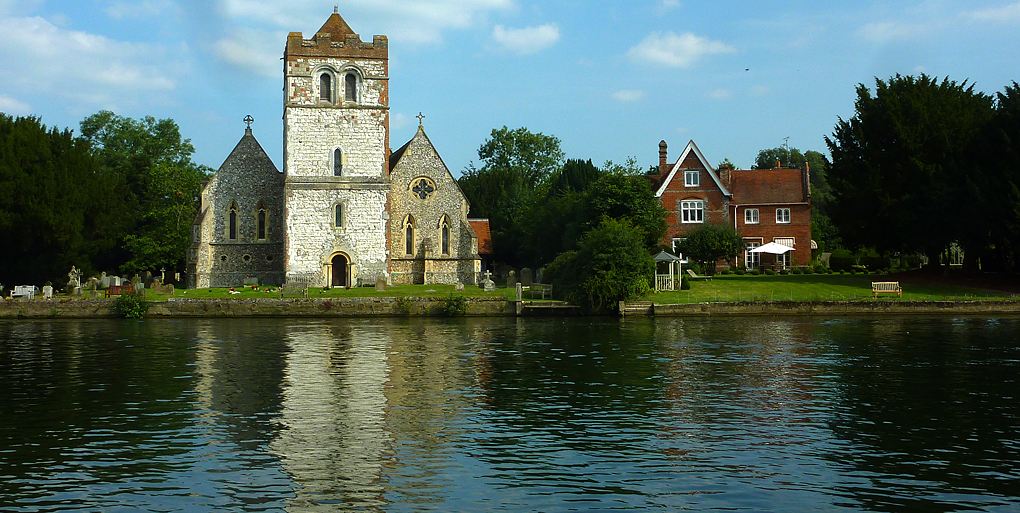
{"x": 754, "y": 414}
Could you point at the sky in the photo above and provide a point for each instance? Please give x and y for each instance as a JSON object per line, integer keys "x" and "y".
{"x": 610, "y": 79}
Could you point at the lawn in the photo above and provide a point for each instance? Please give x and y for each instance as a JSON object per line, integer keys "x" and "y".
{"x": 813, "y": 287}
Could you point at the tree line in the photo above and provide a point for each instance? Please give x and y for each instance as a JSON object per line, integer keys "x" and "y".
{"x": 118, "y": 197}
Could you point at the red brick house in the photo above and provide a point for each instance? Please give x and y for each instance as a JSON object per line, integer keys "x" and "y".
{"x": 764, "y": 205}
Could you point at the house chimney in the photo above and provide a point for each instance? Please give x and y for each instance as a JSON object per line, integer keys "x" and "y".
{"x": 663, "y": 160}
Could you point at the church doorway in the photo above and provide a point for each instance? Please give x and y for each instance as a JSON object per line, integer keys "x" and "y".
{"x": 339, "y": 266}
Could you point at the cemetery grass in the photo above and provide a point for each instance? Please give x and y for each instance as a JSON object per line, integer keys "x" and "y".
{"x": 817, "y": 287}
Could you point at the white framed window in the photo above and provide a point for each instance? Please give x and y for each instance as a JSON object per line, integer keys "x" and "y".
{"x": 782, "y": 215}
{"x": 692, "y": 211}
{"x": 751, "y": 216}
{"x": 692, "y": 178}
{"x": 752, "y": 260}
{"x": 786, "y": 258}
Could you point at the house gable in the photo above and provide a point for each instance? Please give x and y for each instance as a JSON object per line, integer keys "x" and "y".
{"x": 691, "y": 151}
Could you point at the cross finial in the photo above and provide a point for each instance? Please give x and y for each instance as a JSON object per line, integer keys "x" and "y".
{"x": 249, "y": 120}
{"x": 336, "y": 8}
{"x": 420, "y": 117}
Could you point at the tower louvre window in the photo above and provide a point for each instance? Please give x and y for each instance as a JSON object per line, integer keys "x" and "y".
{"x": 351, "y": 87}
{"x": 326, "y": 87}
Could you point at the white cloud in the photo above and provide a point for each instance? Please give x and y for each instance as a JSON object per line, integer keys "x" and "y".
{"x": 253, "y": 50}
{"x": 676, "y": 51}
{"x": 1005, "y": 14}
{"x": 720, "y": 94}
{"x": 528, "y": 40}
{"x": 887, "y": 31}
{"x": 13, "y": 106}
{"x": 398, "y": 121}
{"x": 628, "y": 95}
{"x": 139, "y": 9}
{"x": 93, "y": 70}
{"x": 666, "y": 6}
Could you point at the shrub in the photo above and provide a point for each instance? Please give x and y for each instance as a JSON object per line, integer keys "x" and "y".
{"x": 795, "y": 270}
{"x": 784, "y": 272}
{"x": 741, "y": 272}
{"x": 453, "y": 305}
{"x": 809, "y": 270}
{"x": 769, "y": 272}
{"x": 685, "y": 284}
{"x": 755, "y": 272}
{"x": 131, "y": 305}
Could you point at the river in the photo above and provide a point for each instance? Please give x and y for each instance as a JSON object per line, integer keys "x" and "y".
{"x": 504, "y": 414}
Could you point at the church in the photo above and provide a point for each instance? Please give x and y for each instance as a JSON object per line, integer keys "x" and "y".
{"x": 346, "y": 209}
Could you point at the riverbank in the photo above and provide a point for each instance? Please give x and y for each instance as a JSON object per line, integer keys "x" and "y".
{"x": 82, "y": 308}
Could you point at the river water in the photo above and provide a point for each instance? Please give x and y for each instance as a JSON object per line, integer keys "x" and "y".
{"x": 394, "y": 415}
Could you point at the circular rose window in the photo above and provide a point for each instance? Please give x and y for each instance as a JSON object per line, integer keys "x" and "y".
{"x": 422, "y": 188}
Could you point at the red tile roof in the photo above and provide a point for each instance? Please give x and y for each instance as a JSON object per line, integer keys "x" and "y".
{"x": 766, "y": 186}
{"x": 481, "y": 228}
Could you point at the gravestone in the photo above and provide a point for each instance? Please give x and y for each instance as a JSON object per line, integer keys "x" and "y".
{"x": 147, "y": 278}
{"x": 459, "y": 287}
{"x": 93, "y": 284}
{"x": 116, "y": 281}
{"x": 380, "y": 283}
{"x": 139, "y": 288}
{"x": 169, "y": 289}
{"x": 526, "y": 277}
{"x": 511, "y": 279}
{"x": 520, "y": 292}
{"x": 47, "y": 291}
{"x": 538, "y": 275}
{"x": 104, "y": 281}
{"x": 135, "y": 280}
{"x": 156, "y": 286}
{"x": 488, "y": 285}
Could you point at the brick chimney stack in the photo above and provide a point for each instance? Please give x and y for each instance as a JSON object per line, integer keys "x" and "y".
{"x": 663, "y": 160}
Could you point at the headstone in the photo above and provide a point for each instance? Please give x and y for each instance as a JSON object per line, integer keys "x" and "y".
{"x": 74, "y": 278}
{"x": 47, "y": 291}
{"x": 169, "y": 289}
{"x": 116, "y": 281}
{"x": 526, "y": 277}
{"x": 104, "y": 281}
{"x": 135, "y": 280}
{"x": 157, "y": 287}
{"x": 489, "y": 285}
{"x": 147, "y": 278}
{"x": 380, "y": 283}
{"x": 459, "y": 287}
{"x": 520, "y": 292}
{"x": 538, "y": 275}
{"x": 511, "y": 279}
{"x": 139, "y": 288}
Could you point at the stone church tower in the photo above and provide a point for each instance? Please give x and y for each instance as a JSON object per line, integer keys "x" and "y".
{"x": 336, "y": 134}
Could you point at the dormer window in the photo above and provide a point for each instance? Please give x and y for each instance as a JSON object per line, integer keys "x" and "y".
{"x": 326, "y": 87}
{"x": 351, "y": 87}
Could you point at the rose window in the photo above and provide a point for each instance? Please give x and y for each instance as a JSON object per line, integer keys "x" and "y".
{"x": 422, "y": 188}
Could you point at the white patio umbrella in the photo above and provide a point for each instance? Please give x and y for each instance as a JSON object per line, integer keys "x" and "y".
{"x": 772, "y": 248}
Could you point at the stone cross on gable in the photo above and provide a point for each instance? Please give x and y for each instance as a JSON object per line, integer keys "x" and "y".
{"x": 420, "y": 117}
{"x": 249, "y": 120}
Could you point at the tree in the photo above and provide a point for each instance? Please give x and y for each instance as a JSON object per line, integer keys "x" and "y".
{"x": 515, "y": 163}
{"x": 610, "y": 265}
{"x": 903, "y": 168}
{"x": 708, "y": 243}
{"x": 162, "y": 185}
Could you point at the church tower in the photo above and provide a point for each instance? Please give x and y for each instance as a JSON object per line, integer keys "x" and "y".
{"x": 336, "y": 133}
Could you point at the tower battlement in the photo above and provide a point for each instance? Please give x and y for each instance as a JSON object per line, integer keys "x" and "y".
{"x": 336, "y": 39}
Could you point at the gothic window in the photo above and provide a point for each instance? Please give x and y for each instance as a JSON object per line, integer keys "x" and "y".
{"x": 422, "y": 188}
{"x": 338, "y": 162}
{"x": 232, "y": 221}
{"x": 326, "y": 87}
{"x": 409, "y": 236}
{"x": 338, "y": 216}
{"x": 351, "y": 87}
{"x": 444, "y": 235}
{"x": 261, "y": 218}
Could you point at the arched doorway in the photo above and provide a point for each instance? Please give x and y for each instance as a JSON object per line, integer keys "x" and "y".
{"x": 339, "y": 266}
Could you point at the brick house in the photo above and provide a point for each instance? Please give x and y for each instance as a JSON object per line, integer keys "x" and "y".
{"x": 763, "y": 205}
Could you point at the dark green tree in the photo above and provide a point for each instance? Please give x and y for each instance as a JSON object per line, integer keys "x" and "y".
{"x": 162, "y": 188}
{"x": 610, "y": 265}
{"x": 514, "y": 164}
{"x": 709, "y": 242}
{"x": 903, "y": 168}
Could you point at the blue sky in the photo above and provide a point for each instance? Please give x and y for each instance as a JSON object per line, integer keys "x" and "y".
{"x": 610, "y": 79}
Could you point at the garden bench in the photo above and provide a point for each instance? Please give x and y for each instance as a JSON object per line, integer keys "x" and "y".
{"x": 540, "y": 289}
{"x": 117, "y": 290}
{"x": 26, "y": 291}
{"x": 886, "y": 287}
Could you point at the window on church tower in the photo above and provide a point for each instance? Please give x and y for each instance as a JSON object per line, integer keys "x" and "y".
{"x": 338, "y": 216}
{"x": 232, "y": 221}
{"x": 325, "y": 87}
{"x": 338, "y": 162}
{"x": 351, "y": 87}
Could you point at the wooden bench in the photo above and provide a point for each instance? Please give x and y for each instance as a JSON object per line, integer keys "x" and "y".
{"x": 539, "y": 289}
{"x": 117, "y": 290}
{"x": 886, "y": 287}
{"x": 26, "y": 291}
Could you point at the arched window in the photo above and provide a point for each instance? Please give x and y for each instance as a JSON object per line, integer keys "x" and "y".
{"x": 444, "y": 235}
{"x": 338, "y": 162}
{"x": 409, "y": 236}
{"x": 261, "y": 218}
{"x": 351, "y": 87}
{"x": 232, "y": 221}
{"x": 326, "y": 87}
{"x": 338, "y": 216}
